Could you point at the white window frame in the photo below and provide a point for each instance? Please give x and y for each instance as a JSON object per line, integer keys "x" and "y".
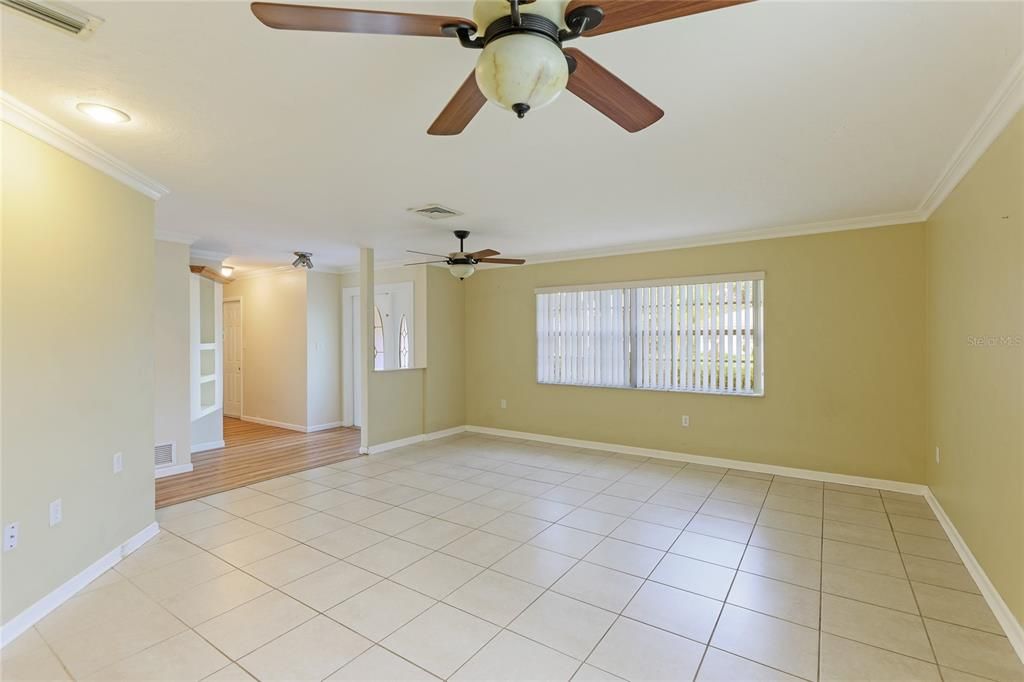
{"x": 589, "y": 370}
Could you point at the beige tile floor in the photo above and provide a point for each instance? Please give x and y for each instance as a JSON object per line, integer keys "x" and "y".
{"x": 481, "y": 558}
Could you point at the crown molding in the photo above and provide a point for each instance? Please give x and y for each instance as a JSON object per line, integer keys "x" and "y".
{"x": 202, "y": 254}
{"x": 997, "y": 114}
{"x": 882, "y": 220}
{"x": 176, "y": 237}
{"x": 44, "y": 128}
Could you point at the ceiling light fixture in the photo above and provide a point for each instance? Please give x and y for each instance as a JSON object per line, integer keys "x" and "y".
{"x": 303, "y": 260}
{"x": 226, "y": 270}
{"x": 103, "y": 113}
{"x": 462, "y": 270}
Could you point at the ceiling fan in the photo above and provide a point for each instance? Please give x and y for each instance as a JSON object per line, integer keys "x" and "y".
{"x": 523, "y": 65}
{"x": 462, "y": 264}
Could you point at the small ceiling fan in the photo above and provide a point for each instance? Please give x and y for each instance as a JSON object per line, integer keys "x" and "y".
{"x": 523, "y": 65}
{"x": 462, "y": 264}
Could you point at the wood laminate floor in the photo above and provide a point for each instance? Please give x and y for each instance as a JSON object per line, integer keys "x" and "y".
{"x": 253, "y": 453}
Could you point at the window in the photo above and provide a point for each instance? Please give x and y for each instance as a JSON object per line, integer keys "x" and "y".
{"x": 696, "y": 334}
{"x": 403, "y": 344}
{"x": 378, "y": 339}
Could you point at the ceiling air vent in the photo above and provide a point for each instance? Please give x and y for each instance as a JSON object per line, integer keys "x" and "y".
{"x": 77, "y": 23}
{"x": 163, "y": 454}
{"x": 436, "y": 211}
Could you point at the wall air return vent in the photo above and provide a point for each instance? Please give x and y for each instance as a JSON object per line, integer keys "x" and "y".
{"x": 163, "y": 454}
{"x": 58, "y": 15}
{"x": 436, "y": 211}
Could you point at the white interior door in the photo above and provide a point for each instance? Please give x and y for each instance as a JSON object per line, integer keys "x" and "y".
{"x": 233, "y": 358}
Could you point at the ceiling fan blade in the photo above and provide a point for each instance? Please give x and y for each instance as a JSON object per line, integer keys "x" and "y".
{"x": 424, "y": 253}
{"x": 621, "y": 14}
{"x": 426, "y": 262}
{"x": 602, "y": 90}
{"x": 341, "y": 20}
{"x": 506, "y": 261}
{"x": 486, "y": 253}
{"x": 460, "y": 109}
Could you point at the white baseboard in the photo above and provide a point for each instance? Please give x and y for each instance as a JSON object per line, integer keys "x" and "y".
{"x": 809, "y": 474}
{"x": 1011, "y": 626}
{"x": 203, "y": 447}
{"x": 178, "y": 468}
{"x": 412, "y": 440}
{"x": 270, "y": 422}
{"x": 35, "y": 613}
{"x": 323, "y": 427}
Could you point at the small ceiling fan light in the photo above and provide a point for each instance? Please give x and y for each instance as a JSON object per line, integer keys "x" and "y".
{"x": 461, "y": 270}
{"x": 303, "y": 260}
{"x": 521, "y": 72}
{"x": 226, "y": 270}
{"x": 102, "y": 113}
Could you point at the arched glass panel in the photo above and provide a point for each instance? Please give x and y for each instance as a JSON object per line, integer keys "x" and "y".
{"x": 378, "y": 339}
{"x": 403, "y": 344}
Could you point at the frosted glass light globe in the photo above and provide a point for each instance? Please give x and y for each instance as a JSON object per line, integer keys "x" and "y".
{"x": 461, "y": 270}
{"x": 521, "y": 69}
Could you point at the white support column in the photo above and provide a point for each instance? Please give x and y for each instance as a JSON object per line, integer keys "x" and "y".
{"x": 366, "y": 302}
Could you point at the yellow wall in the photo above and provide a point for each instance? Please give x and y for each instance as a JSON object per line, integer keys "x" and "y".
{"x": 445, "y": 386}
{"x": 172, "y": 415}
{"x": 974, "y": 246}
{"x": 273, "y": 345}
{"x": 323, "y": 348}
{"x": 844, "y": 360}
{"x": 396, "y": 405}
{"x": 77, "y": 363}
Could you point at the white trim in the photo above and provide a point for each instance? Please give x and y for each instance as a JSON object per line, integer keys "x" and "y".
{"x": 1007, "y": 100}
{"x": 215, "y": 256}
{"x": 35, "y": 613}
{"x": 639, "y": 284}
{"x": 203, "y": 447}
{"x": 444, "y": 433}
{"x": 1011, "y": 626}
{"x": 412, "y": 440}
{"x": 42, "y": 127}
{"x": 161, "y": 472}
{"x": 271, "y": 422}
{"x": 323, "y": 427}
{"x": 809, "y": 474}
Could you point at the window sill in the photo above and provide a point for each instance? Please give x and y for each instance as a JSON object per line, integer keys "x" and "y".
{"x": 656, "y": 390}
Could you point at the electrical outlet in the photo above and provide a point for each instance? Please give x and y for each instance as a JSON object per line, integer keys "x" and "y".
{"x": 938, "y": 457}
{"x": 504, "y": 403}
{"x": 10, "y": 536}
{"x": 56, "y": 512}
{"x": 118, "y": 462}
{"x": 685, "y": 421}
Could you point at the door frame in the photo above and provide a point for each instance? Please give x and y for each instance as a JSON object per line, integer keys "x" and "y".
{"x": 348, "y": 294}
{"x": 241, "y": 352}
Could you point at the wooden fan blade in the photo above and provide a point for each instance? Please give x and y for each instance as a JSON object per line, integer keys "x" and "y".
{"x": 460, "y": 109}
{"x": 427, "y": 262}
{"x": 340, "y": 20}
{"x": 506, "y": 261}
{"x": 621, "y": 14}
{"x": 602, "y": 90}
{"x": 486, "y": 253}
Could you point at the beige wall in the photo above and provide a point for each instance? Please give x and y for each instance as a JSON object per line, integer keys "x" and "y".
{"x": 396, "y": 405}
{"x": 444, "y": 390}
{"x": 323, "y": 348}
{"x": 844, "y": 360}
{"x": 170, "y": 350}
{"x": 974, "y": 246}
{"x": 77, "y": 362}
{"x": 273, "y": 345}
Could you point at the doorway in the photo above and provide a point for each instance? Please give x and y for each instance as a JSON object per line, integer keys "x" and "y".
{"x": 233, "y": 357}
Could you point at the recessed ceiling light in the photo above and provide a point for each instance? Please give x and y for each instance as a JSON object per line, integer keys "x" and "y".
{"x": 103, "y": 113}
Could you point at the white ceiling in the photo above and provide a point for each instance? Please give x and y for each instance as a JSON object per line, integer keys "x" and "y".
{"x": 777, "y": 114}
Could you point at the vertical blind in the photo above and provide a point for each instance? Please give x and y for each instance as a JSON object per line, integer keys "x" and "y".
{"x": 693, "y": 334}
